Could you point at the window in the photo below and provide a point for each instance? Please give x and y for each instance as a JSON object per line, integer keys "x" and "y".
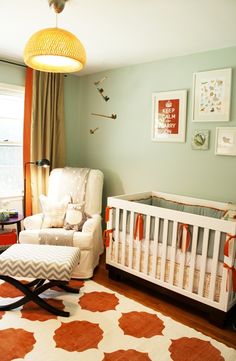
{"x": 11, "y": 139}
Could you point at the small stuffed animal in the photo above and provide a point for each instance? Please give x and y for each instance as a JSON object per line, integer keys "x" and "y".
{"x": 230, "y": 213}
{"x": 75, "y": 217}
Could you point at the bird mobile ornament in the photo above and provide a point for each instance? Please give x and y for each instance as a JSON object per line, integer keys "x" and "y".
{"x": 92, "y": 131}
{"x": 112, "y": 116}
{"x": 100, "y": 81}
{"x": 106, "y": 98}
{"x": 101, "y": 90}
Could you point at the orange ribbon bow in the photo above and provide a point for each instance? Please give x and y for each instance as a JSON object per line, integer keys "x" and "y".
{"x": 226, "y": 246}
{"x": 231, "y": 268}
{"x": 138, "y": 230}
{"x": 107, "y": 213}
{"x": 106, "y": 236}
{"x": 184, "y": 245}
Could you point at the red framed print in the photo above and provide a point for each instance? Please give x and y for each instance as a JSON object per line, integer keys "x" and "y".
{"x": 169, "y": 116}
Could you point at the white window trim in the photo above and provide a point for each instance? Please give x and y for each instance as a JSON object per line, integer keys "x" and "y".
{"x": 11, "y": 89}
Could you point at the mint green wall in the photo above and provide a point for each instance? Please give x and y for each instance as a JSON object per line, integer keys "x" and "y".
{"x": 123, "y": 149}
{"x": 73, "y": 128}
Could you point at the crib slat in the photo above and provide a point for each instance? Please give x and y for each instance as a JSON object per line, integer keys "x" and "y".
{"x": 232, "y": 257}
{"x": 131, "y": 239}
{"x": 224, "y": 293}
{"x": 232, "y": 296}
{"x": 182, "y": 260}
{"x": 227, "y": 296}
{"x": 146, "y": 246}
{"x": 173, "y": 253}
{"x": 214, "y": 265}
{"x": 138, "y": 252}
{"x": 116, "y": 235}
{"x": 193, "y": 259}
{"x": 123, "y": 236}
{"x": 203, "y": 261}
{"x": 110, "y": 226}
{"x": 155, "y": 248}
{"x": 164, "y": 245}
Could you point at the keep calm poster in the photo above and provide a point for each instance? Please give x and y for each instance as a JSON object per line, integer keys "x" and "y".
{"x": 168, "y": 116}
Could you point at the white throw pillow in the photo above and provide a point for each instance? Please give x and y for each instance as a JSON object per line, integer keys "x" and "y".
{"x": 53, "y": 211}
{"x": 75, "y": 216}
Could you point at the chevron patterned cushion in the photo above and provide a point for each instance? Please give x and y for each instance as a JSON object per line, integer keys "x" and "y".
{"x": 39, "y": 261}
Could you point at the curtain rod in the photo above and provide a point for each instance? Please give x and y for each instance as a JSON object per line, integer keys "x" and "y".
{"x": 12, "y": 63}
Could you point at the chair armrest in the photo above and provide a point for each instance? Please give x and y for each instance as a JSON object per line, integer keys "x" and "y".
{"x": 33, "y": 222}
{"x": 91, "y": 224}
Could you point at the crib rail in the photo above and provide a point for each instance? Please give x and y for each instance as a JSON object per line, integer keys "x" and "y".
{"x": 167, "y": 252}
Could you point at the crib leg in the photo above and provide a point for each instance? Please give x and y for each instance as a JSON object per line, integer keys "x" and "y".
{"x": 217, "y": 318}
{"x": 114, "y": 274}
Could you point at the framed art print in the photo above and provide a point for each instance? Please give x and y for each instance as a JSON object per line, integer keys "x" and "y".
{"x": 211, "y": 96}
{"x": 169, "y": 116}
{"x": 225, "y": 141}
{"x": 200, "y": 139}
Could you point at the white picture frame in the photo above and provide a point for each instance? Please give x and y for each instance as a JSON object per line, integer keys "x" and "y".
{"x": 169, "y": 116}
{"x": 225, "y": 142}
{"x": 211, "y": 96}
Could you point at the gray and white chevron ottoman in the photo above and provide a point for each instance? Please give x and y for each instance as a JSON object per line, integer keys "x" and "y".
{"x": 50, "y": 266}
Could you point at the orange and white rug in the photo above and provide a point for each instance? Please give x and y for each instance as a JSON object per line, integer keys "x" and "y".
{"x": 103, "y": 326}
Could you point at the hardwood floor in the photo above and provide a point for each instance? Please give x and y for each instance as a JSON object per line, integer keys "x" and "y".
{"x": 188, "y": 316}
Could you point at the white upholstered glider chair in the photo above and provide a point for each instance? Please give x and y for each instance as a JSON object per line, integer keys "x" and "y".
{"x": 71, "y": 215}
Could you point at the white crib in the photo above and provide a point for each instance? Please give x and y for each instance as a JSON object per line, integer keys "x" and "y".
{"x": 190, "y": 254}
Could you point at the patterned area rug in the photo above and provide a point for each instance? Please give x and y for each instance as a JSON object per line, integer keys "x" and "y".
{"x": 104, "y": 326}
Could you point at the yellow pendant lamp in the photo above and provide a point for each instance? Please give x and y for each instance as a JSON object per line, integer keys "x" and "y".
{"x": 55, "y": 50}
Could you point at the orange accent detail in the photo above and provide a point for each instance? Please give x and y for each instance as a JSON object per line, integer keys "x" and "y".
{"x": 106, "y": 236}
{"x": 27, "y": 139}
{"x": 8, "y": 237}
{"x": 98, "y": 301}
{"x": 84, "y": 335}
{"x": 107, "y": 213}
{"x": 138, "y": 230}
{"x": 231, "y": 270}
{"x": 226, "y": 246}
{"x": 181, "y": 244}
{"x": 141, "y": 324}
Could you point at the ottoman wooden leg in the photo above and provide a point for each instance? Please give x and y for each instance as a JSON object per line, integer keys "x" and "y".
{"x": 32, "y": 290}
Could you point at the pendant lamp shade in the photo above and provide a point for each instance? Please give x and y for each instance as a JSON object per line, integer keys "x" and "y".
{"x": 54, "y": 50}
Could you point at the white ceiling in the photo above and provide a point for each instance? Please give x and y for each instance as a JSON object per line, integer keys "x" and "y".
{"x": 117, "y": 33}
